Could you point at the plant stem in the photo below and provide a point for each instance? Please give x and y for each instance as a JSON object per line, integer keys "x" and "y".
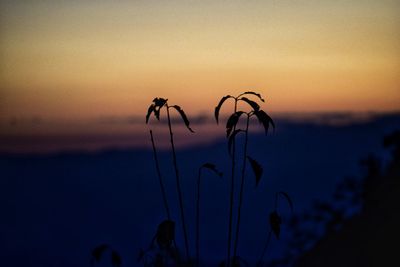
{"x": 265, "y": 249}
{"x": 178, "y": 186}
{"x": 241, "y": 188}
{"x": 163, "y": 192}
{"x": 231, "y": 195}
{"x": 198, "y": 221}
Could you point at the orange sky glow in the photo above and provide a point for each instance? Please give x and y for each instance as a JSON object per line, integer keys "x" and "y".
{"x": 81, "y": 59}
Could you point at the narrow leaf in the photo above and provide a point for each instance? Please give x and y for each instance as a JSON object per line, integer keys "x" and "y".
{"x": 253, "y": 93}
{"x": 183, "y": 115}
{"x": 115, "y": 259}
{"x": 265, "y": 119}
{"x": 212, "y": 167}
{"x": 218, "y": 107}
{"x": 275, "y": 222}
{"x": 253, "y": 104}
{"x": 231, "y": 139}
{"x": 288, "y": 199}
{"x": 149, "y": 111}
{"x": 232, "y": 121}
{"x": 157, "y": 112}
{"x": 257, "y": 169}
{"x": 98, "y": 251}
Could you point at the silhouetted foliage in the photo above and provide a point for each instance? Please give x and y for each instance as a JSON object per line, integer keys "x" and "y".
{"x": 218, "y": 107}
{"x": 166, "y": 233}
{"x": 155, "y": 107}
{"x": 257, "y": 169}
{"x": 183, "y": 115}
{"x": 265, "y": 120}
{"x": 275, "y": 222}
{"x": 232, "y": 121}
{"x": 286, "y": 196}
{"x": 162, "y": 250}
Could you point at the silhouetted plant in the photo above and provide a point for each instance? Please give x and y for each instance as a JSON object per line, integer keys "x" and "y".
{"x": 162, "y": 250}
{"x": 231, "y": 128}
{"x": 275, "y": 222}
{"x": 155, "y": 107}
{"x": 211, "y": 167}
{"x": 231, "y": 133}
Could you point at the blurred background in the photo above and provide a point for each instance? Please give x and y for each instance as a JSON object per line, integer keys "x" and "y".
{"x": 77, "y": 78}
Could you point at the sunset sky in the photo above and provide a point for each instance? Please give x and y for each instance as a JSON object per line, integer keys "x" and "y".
{"x": 82, "y": 59}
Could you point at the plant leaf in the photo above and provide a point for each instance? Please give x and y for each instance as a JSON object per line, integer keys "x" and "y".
{"x": 257, "y": 169}
{"x": 265, "y": 119}
{"x": 253, "y": 93}
{"x": 253, "y": 104}
{"x": 218, "y": 107}
{"x": 275, "y": 222}
{"x": 212, "y": 167}
{"x": 183, "y": 115}
{"x": 166, "y": 233}
{"x": 149, "y": 111}
{"x": 232, "y": 121}
{"x": 231, "y": 139}
{"x": 159, "y": 102}
{"x": 115, "y": 259}
{"x": 98, "y": 251}
{"x": 157, "y": 112}
{"x": 288, "y": 199}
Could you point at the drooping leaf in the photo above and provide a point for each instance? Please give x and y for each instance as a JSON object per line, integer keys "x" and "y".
{"x": 98, "y": 252}
{"x": 183, "y": 115}
{"x": 232, "y": 121}
{"x": 257, "y": 169}
{"x": 213, "y": 168}
{"x": 286, "y": 196}
{"x": 253, "y": 104}
{"x": 218, "y": 107}
{"x": 166, "y": 233}
{"x": 231, "y": 139}
{"x": 253, "y": 93}
{"x": 157, "y": 112}
{"x": 159, "y": 102}
{"x": 275, "y": 222}
{"x": 265, "y": 119}
{"x": 116, "y": 260}
{"x": 149, "y": 111}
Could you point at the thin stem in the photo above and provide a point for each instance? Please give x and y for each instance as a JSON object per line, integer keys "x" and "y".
{"x": 178, "y": 186}
{"x": 163, "y": 192}
{"x": 231, "y": 195}
{"x": 198, "y": 221}
{"x": 265, "y": 249}
{"x": 241, "y": 188}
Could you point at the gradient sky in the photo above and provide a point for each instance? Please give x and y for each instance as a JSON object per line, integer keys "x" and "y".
{"x": 78, "y": 59}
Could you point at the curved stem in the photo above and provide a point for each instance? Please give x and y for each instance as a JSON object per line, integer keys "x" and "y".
{"x": 198, "y": 221}
{"x": 231, "y": 195}
{"x": 163, "y": 192}
{"x": 178, "y": 186}
{"x": 241, "y": 188}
